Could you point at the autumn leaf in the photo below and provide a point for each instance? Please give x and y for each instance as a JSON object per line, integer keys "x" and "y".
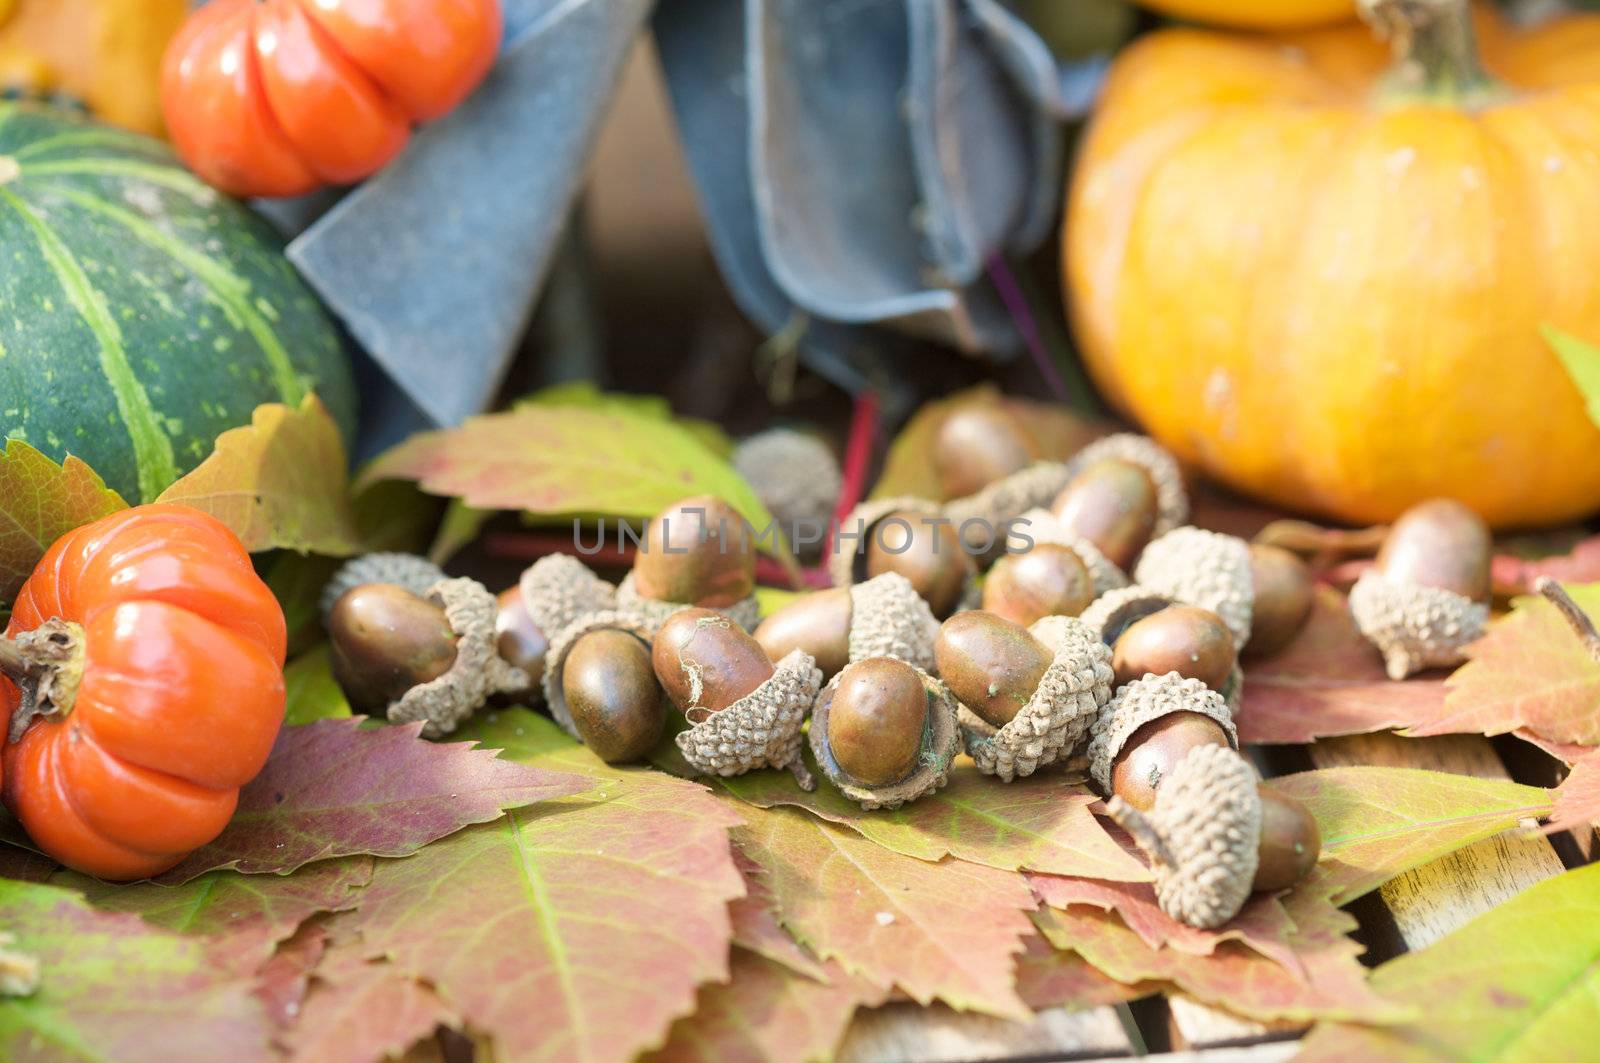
{"x": 40, "y": 502}
{"x": 1582, "y": 363}
{"x": 332, "y": 788}
{"x": 583, "y": 393}
{"x": 1579, "y": 563}
{"x": 1378, "y": 823}
{"x": 1041, "y": 823}
{"x": 948, "y": 931}
{"x": 1329, "y": 681}
{"x": 756, "y": 928}
{"x": 1048, "y": 977}
{"x": 281, "y": 481}
{"x": 311, "y": 691}
{"x": 115, "y": 988}
{"x": 283, "y": 981}
{"x": 358, "y": 1009}
{"x": 572, "y": 460}
{"x": 1530, "y": 671}
{"x": 1578, "y": 797}
{"x": 1520, "y": 981}
{"x": 613, "y": 904}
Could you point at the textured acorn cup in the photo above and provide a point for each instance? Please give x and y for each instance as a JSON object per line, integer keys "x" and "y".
{"x": 1128, "y": 717}
{"x": 884, "y": 732}
{"x": 930, "y": 555}
{"x": 1440, "y": 544}
{"x": 978, "y": 444}
{"x": 696, "y": 552}
{"x": 1190, "y": 641}
{"x": 705, "y": 662}
{"x": 796, "y": 477}
{"x": 818, "y": 623}
{"x": 1153, "y": 749}
{"x": 1041, "y": 526}
{"x": 992, "y": 665}
{"x": 1284, "y": 595}
{"x": 612, "y": 694}
{"x": 387, "y": 640}
{"x": 520, "y": 642}
{"x": 1048, "y": 580}
{"x": 1290, "y": 841}
{"x": 1113, "y": 504}
{"x": 1204, "y": 568}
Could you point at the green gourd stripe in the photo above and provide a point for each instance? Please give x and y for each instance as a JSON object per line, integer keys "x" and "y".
{"x": 227, "y": 287}
{"x": 152, "y": 449}
{"x": 5, "y": 117}
{"x": 154, "y": 172}
{"x": 86, "y": 138}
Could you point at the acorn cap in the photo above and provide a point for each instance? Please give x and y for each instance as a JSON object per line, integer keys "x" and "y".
{"x": 1053, "y": 723}
{"x": 562, "y": 642}
{"x": 1044, "y": 527}
{"x": 794, "y": 474}
{"x": 1141, "y": 701}
{"x": 849, "y": 567}
{"x": 888, "y": 618}
{"x": 761, "y": 729}
{"x": 939, "y": 748}
{"x": 1203, "y": 836}
{"x": 415, "y": 574}
{"x": 1204, "y": 568}
{"x": 1009, "y": 498}
{"x": 477, "y": 672}
{"x": 559, "y": 589}
{"x": 745, "y": 613}
{"x": 1172, "y": 498}
{"x": 1415, "y": 627}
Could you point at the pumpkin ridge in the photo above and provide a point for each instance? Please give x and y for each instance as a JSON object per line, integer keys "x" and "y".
{"x": 228, "y": 288}
{"x": 78, "y": 138}
{"x": 152, "y": 448}
{"x": 164, "y": 174}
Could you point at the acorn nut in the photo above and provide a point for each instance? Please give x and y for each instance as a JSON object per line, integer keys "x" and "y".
{"x": 415, "y": 574}
{"x": 1290, "y": 843}
{"x": 551, "y": 594}
{"x": 1135, "y": 714}
{"x": 1283, "y": 595}
{"x": 818, "y": 622}
{"x": 884, "y": 732}
{"x": 977, "y": 444}
{"x": 1190, "y": 641}
{"x": 883, "y": 617}
{"x": 697, "y": 552}
{"x": 706, "y": 662}
{"x": 1153, "y": 748}
{"x": 1113, "y": 504}
{"x": 1048, "y": 580}
{"x": 612, "y": 694}
{"x": 909, "y": 537}
{"x": 1172, "y": 498}
{"x": 1039, "y": 527}
{"x": 387, "y": 640}
{"x": 520, "y": 642}
{"x": 1204, "y": 568}
{"x": 992, "y": 665}
{"x": 1426, "y": 596}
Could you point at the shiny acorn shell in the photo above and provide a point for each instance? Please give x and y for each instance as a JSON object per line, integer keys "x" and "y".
{"x": 939, "y": 747}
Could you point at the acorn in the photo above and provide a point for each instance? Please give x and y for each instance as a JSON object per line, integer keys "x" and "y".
{"x": 1204, "y": 568}
{"x": 744, "y": 711}
{"x": 977, "y": 444}
{"x": 1290, "y": 841}
{"x": 612, "y": 695}
{"x": 1136, "y": 714}
{"x": 1026, "y": 695}
{"x": 1038, "y": 526}
{"x": 1283, "y": 594}
{"x": 1172, "y": 498}
{"x": 1426, "y": 596}
{"x": 884, "y": 732}
{"x": 635, "y": 625}
{"x": 883, "y": 617}
{"x": 1202, "y": 835}
{"x": 910, "y": 537}
{"x": 1113, "y": 504}
{"x": 552, "y": 593}
{"x": 1190, "y": 643}
{"x": 796, "y": 477}
{"x": 982, "y": 520}
{"x": 429, "y": 658}
{"x": 699, "y": 553}
{"x": 415, "y": 574}
{"x": 1049, "y": 580}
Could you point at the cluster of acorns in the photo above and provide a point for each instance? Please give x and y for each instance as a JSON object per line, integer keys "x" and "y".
{"x": 1060, "y": 657}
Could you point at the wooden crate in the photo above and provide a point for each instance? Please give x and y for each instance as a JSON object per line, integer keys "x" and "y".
{"x": 1409, "y": 912}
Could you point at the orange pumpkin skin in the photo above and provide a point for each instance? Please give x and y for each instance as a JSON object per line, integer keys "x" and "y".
{"x": 181, "y": 698}
{"x": 1258, "y": 14}
{"x": 280, "y": 97}
{"x": 1335, "y": 303}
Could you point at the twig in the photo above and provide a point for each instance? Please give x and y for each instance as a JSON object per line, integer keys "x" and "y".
{"x": 1573, "y": 613}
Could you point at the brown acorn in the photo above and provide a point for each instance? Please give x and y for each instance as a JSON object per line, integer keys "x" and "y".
{"x": 1192, "y": 642}
{"x": 1048, "y": 580}
{"x": 1284, "y": 596}
{"x": 706, "y": 662}
{"x": 818, "y": 622}
{"x": 990, "y": 664}
{"x": 696, "y": 552}
{"x": 978, "y": 444}
{"x": 928, "y": 553}
{"x": 520, "y": 641}
{"x": 1442, "y": 544}
{"x": 387, "y": 640}
{"x": 1167, "y": 710}
{"x": 1153, "y": 748}
{"x": 1290, "y": 841}
{"x": 612, "y": 694}
{"x": 884, "y": 732}
{"x": 881, "y": 617}
{"x": 1113, "y": 504}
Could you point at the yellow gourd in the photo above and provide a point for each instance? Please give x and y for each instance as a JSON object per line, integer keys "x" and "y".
{"x": 1258, "y": 14}
{"x": 1321, "y": 275}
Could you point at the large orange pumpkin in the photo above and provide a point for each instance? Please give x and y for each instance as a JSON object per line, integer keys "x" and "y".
{"x": 1322, "y": 277}
{"x": 1258, "y": 14}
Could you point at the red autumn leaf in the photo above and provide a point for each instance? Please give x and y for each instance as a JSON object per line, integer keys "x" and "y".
{"x": 1330, "y": 681}
{"x": 949, "y": 930}
{"x": 1578, "y": 796}
{"x": 1048, "y": 977}
{"x": 283, "y": 981}
{"x": 361, "y": 1010}
{"x": 1530, "y": 671}
{"x": 756, "y": 928}
{"x": 332, "y": 788}
{"x": 1517, "y": 575}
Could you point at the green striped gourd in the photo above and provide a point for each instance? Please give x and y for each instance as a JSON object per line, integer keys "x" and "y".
{"x": 141, "y": 312}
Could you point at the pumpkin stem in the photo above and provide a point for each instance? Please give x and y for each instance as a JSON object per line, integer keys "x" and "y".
{"x": 46, "y": 664}
{"x": 1436, "y": 51}
{"x": 1572, "y": 613}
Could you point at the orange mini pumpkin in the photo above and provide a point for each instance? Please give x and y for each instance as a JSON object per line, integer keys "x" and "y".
{"x": 279, "y": 97}
{"x": 1322, "y": 277}
{"x": 150, "y": 661}
{"x": 1258, "y": 14}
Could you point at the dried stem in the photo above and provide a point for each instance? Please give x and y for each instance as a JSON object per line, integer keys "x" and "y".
{"x": 1324, "y": 546}
{"x": 1573, "y": 613}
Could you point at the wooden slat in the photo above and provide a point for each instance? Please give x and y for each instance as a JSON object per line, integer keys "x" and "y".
{"x": 897, "y": 1033}
{"x": 1275, "y": 1052}
{"x": 1195, "y": 1025}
